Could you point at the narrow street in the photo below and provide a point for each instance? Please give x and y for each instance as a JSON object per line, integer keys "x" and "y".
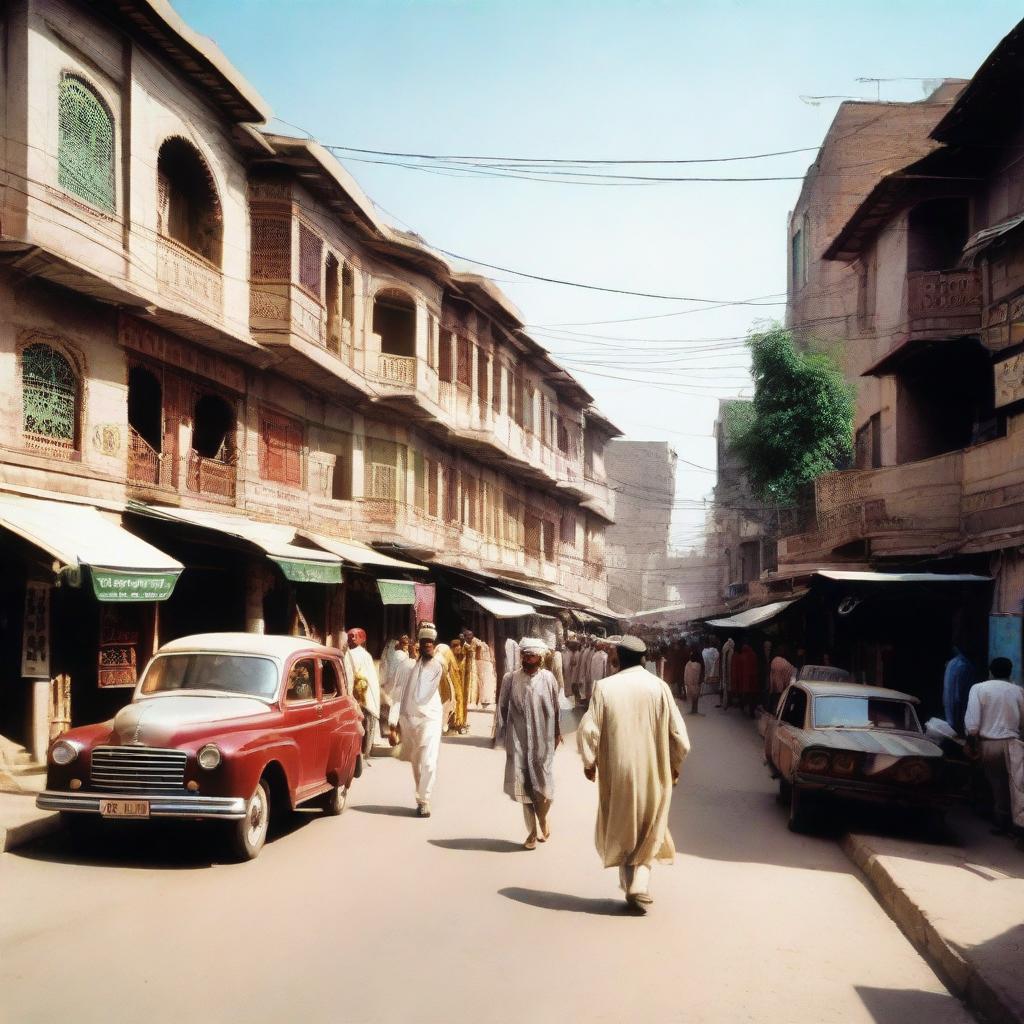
{"x": 380, "y": 916}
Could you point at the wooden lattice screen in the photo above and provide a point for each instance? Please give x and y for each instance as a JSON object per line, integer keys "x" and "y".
{"x": 280, "y": 448}
{"x": 311, "y": 258}
{"x": 270, "y": 255}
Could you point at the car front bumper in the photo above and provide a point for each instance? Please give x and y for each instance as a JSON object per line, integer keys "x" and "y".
{"x": 161, "y": 805}
{"x": 869, "y": 792}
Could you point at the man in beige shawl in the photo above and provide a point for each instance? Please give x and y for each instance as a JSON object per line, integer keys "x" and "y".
{"x": 634, "y": 740}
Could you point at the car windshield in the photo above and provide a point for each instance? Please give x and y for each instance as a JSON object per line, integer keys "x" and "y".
{"x": 229, "y": 673}
{"x": 864, "y": 713}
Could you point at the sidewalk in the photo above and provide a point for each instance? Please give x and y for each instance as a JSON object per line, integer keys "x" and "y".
{"x": 961, "y": 905}
{"x": 20, "y": 820}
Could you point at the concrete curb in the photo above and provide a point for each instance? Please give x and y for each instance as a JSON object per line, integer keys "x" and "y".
{"x": 957, "y": 971}
{"x": 13, "y": 836}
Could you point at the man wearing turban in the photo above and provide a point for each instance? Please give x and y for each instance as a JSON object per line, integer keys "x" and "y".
{"x": 528, "y": 722}
{"x": 417, "y": 710}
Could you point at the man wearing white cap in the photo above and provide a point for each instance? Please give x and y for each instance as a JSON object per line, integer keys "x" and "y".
{"x": 417, "y": 709}
{"x": 528, "y": 722}
{"x": 633, "y": 740}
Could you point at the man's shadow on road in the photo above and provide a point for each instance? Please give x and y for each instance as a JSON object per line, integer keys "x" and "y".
{"x": 394, "y": 812}
{"x": 545, "y": 900}
{"x": 475, "y": 845}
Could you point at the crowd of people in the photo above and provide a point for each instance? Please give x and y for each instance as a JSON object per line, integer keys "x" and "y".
{"x": 631, "y": 738}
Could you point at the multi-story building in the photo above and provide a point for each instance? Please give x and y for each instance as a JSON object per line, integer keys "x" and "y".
{"x": 916, "y": 277}
{"x": 643, "y": 476}
{"x": 234, "y": 397}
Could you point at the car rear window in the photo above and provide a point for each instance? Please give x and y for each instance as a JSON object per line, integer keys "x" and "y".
{"x": 229, "y": 673}
{"x": 864, "y": 713}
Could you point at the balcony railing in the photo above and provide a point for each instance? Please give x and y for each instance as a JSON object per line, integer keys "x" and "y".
{"x": 189, "y": 276}
{"x": 212, "y": 477}
{"x": 145, "y": 464}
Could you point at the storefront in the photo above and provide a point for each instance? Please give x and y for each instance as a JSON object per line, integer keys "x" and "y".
{"x": 80, "y": 602}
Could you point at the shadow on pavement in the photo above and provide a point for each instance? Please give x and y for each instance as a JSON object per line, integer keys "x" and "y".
{"x": 166, "y": 845}
{"x": 478, "y": 845}
{"x": 394, "y": 812}
{"x": 469, "y": 741}
{"x": 901, "y": 1006}
{"x": 564, "y": 901}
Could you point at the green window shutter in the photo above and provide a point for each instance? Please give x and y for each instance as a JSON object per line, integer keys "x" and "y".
{"x": 50, "y": 398}
{"x": 85, "y": 144}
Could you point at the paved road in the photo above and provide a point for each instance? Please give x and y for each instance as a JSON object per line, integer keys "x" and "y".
{"x": 379, "y": 916}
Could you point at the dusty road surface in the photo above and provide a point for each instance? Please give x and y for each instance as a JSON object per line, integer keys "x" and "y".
{"x": 380, "y": 916}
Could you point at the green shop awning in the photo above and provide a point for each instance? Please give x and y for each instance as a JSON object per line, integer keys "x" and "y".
{"x": 397, "y": 591}
{"x": 300, "y": 570}
{"x": 123, "y": 567}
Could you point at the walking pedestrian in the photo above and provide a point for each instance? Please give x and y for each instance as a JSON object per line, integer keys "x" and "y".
{"x": 781, "y": 672}
{"x": 369, "y": 692}
{"x": 527, "y": 721}
{"x": 418, "y": 714}
{"x": 957, "y": 681}
{"x": 745, "y": 683}
{"x": 693, "y": 677}
{"x": 712, "y": 665}
{"x": 995, "y": 713}
{"x": 633, "y": 741}
{"x": 728, "y": 652}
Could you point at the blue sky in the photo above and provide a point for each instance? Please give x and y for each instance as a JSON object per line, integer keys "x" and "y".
{"x": 613, "y": 80}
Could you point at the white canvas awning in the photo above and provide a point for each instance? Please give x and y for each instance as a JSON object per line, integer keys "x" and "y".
{"x": 901, "y": 577}
{"x": 501, "y": 607}
{"x": 123, "y": 567}
{"x": 537, "y": 602}
{"x": 360, "y": 554}
{"x": 276, "y": 540}
{"x": 752, "y": 616}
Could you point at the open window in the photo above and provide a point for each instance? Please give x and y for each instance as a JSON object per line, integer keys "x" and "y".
{"x": 188, "y": 207}
{"x": 394, "y": 319}
{"x": 145, "y": 425}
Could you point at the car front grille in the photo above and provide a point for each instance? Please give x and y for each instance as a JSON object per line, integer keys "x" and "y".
{"x": 138, "y": 769}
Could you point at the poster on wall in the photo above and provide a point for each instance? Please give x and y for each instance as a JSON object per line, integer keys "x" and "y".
{"x": 35, "y": 633}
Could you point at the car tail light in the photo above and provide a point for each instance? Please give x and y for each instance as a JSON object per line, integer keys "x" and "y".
{"x": 913, "y": 770}
{"x": 817, "y": 761}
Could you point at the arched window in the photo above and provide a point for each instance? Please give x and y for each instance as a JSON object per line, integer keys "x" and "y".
{"x": 188, "y": 207}
{"x": 85, "y": 144}
{"x": 50, "y": 389}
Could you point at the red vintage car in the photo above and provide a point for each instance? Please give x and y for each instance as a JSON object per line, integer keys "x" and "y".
{"x": 226, "y": 726}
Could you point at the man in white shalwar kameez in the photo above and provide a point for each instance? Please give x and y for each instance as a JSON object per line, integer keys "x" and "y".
{"x": 596, "y": 670}
{"x": 417, "y": 710}
{"x": 633, "y": 740}
{"x": 363, "y": 664}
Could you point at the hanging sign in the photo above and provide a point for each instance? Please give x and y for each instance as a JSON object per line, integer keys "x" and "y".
{"x": 35, "y": 632}
{"x": 301, "y": 571}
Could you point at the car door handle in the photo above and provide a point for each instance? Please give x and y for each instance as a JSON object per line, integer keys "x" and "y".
{"x": 319, "y": 711}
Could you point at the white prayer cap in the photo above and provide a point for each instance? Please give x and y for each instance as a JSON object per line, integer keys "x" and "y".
{"x": 532, "y": 645}
{"x": 631, "y": 643}
{"x": 427, "y": 631}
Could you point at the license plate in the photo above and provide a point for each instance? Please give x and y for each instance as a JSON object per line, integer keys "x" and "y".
{"x": 124, "y": 808}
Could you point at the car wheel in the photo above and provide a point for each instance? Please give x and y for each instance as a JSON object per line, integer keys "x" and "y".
{"x": 250, "y": 833}
{"x": 785, "y": 791}
{"x": 335, "y": 801}
{"x": 799, "y": 809}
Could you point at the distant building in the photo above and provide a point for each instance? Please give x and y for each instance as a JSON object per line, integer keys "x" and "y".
{"x": 643, "y": 476}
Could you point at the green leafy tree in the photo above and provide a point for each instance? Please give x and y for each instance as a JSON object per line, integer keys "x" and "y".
{"x": 800, "y": 423}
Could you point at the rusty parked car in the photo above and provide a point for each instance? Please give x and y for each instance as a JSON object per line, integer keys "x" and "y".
{"x": 231, "y": 727}
{"x": 845, "y": 740}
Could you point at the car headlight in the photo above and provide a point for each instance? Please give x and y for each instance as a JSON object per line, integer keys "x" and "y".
{"x": 914, "y": 771}
{"x": 63, "y": 752}
{"x": 815, "y": 761}
{"x": 209, "y": 756}
{"x": 844, "y": 763}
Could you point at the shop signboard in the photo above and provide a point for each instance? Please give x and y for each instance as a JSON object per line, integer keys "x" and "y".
{"x": 35, "y": 632}
{"x": 120, "y": 585}
{"x": 300, "y": 571}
